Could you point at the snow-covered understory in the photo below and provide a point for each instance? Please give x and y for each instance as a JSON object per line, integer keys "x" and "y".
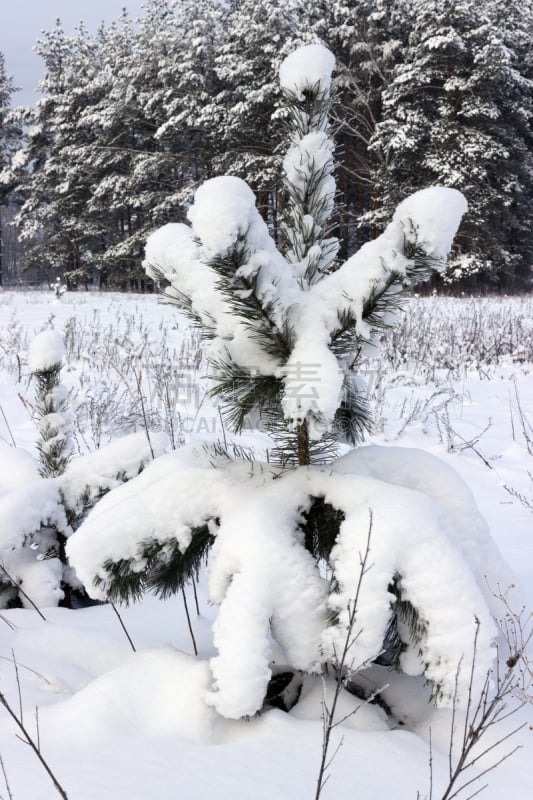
{"x": 117, "y": 724}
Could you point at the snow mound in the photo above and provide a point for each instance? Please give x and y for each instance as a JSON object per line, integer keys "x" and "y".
{"x": 17, "y": 468}
{"x": 155, "y": 692}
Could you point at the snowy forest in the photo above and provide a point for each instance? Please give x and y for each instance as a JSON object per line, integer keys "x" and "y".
{"x": 132, "y": 119}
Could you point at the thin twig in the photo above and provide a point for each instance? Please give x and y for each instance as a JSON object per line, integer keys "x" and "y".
{"x": 189, "y": 621}
{"x": 7, "y": 426}
{"x": 5, "y": 778}
{"x": 138, "y": 379}
{"x": 491, "y": 708}
{"x": 28, "y": 740}
{"x": 33, "y": 671}
{"x": 524, "y": 422}
{"x": 329, "y": 722}
{"x": 18, "y": 683}
{"x": 196, "y": 598}
{"x": 430, "y": 766}
{"x": 115, "y": 609}
{"x": 37, "y": 728}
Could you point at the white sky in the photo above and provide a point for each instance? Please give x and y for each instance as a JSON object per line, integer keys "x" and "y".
{"x": 21, "y": 24}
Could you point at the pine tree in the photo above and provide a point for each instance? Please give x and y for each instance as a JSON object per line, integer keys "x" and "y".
{"x": 55, "y": 186}
{"x": 257, "y": 36}
{"x": 161, "y": 137}
{"x": 37, "y": 517}
{"x": 367, "y": 38}
{"x": 119, "y": 139}
{"x": 453, "y": 113}
{"x": 118, "y": 142}
{"x": 10, "y": 141}
{"x": 284, "y": 540}
{"x": 514, "y": 68}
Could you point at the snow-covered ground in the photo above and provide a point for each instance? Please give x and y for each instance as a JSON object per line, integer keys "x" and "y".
{"x": 455, "y": 379}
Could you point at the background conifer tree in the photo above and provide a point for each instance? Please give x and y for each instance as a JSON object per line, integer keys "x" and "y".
{"x": 10, "y": 141}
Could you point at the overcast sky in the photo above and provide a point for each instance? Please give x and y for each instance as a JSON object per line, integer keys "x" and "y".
{"x": 21, "y": 24}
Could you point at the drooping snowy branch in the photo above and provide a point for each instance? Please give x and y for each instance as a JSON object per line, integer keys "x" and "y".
{"x": 268, "y": 584}
{"x": 226, "y": 256}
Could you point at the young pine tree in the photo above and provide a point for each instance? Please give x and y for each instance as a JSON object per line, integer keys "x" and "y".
{"x": 39, "y": 514}
{"x": 284, "y": 540}
{"x": 51, "y": 406}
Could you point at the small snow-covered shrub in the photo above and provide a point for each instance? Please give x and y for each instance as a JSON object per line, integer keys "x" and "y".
{"x": 287, "y": 332}
{"x": 38, "y": 514}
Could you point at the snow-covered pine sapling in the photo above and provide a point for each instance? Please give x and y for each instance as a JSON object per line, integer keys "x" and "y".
{"x": 282, "y": 540}
{"x": 51, "y": 403}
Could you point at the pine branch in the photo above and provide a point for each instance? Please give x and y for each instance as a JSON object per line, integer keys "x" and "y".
{"x": 242, "y": 296}
{"x": 321, "y": 524}
{"x": 352, "y": 418}
{"x": 173, "y": 296}
{"x": 166, "y": 568}
{"x": 241, "y": 392}
{"x": 403, "y": 613}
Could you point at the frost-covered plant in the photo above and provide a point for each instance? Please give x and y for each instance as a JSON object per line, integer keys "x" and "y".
{"x": 287, "y": 328}
{"x": 128, "y": 376}
{"x": 58, "y": 289}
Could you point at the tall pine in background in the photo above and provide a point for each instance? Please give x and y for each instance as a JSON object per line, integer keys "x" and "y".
{"x": 10, "y": 141}
{"x": 256, "y": 37}
{"x": 367, "y": 38}
{"x": 455, "y": 112}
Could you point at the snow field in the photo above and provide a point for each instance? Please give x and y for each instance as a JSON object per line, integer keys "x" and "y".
{"x": 133, "y": 725}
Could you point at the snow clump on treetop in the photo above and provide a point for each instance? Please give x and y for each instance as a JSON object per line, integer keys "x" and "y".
{"x": 308, "y": 67}
{"x": 47, "y": 350}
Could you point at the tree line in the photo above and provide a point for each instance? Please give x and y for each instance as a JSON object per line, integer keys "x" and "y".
{"x": 135, "y": 116}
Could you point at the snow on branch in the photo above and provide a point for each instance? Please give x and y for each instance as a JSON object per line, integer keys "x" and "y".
{"x": 427, "y": 220}
{"x": 39, "y": 510}
{"x": 267, "y": 583}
